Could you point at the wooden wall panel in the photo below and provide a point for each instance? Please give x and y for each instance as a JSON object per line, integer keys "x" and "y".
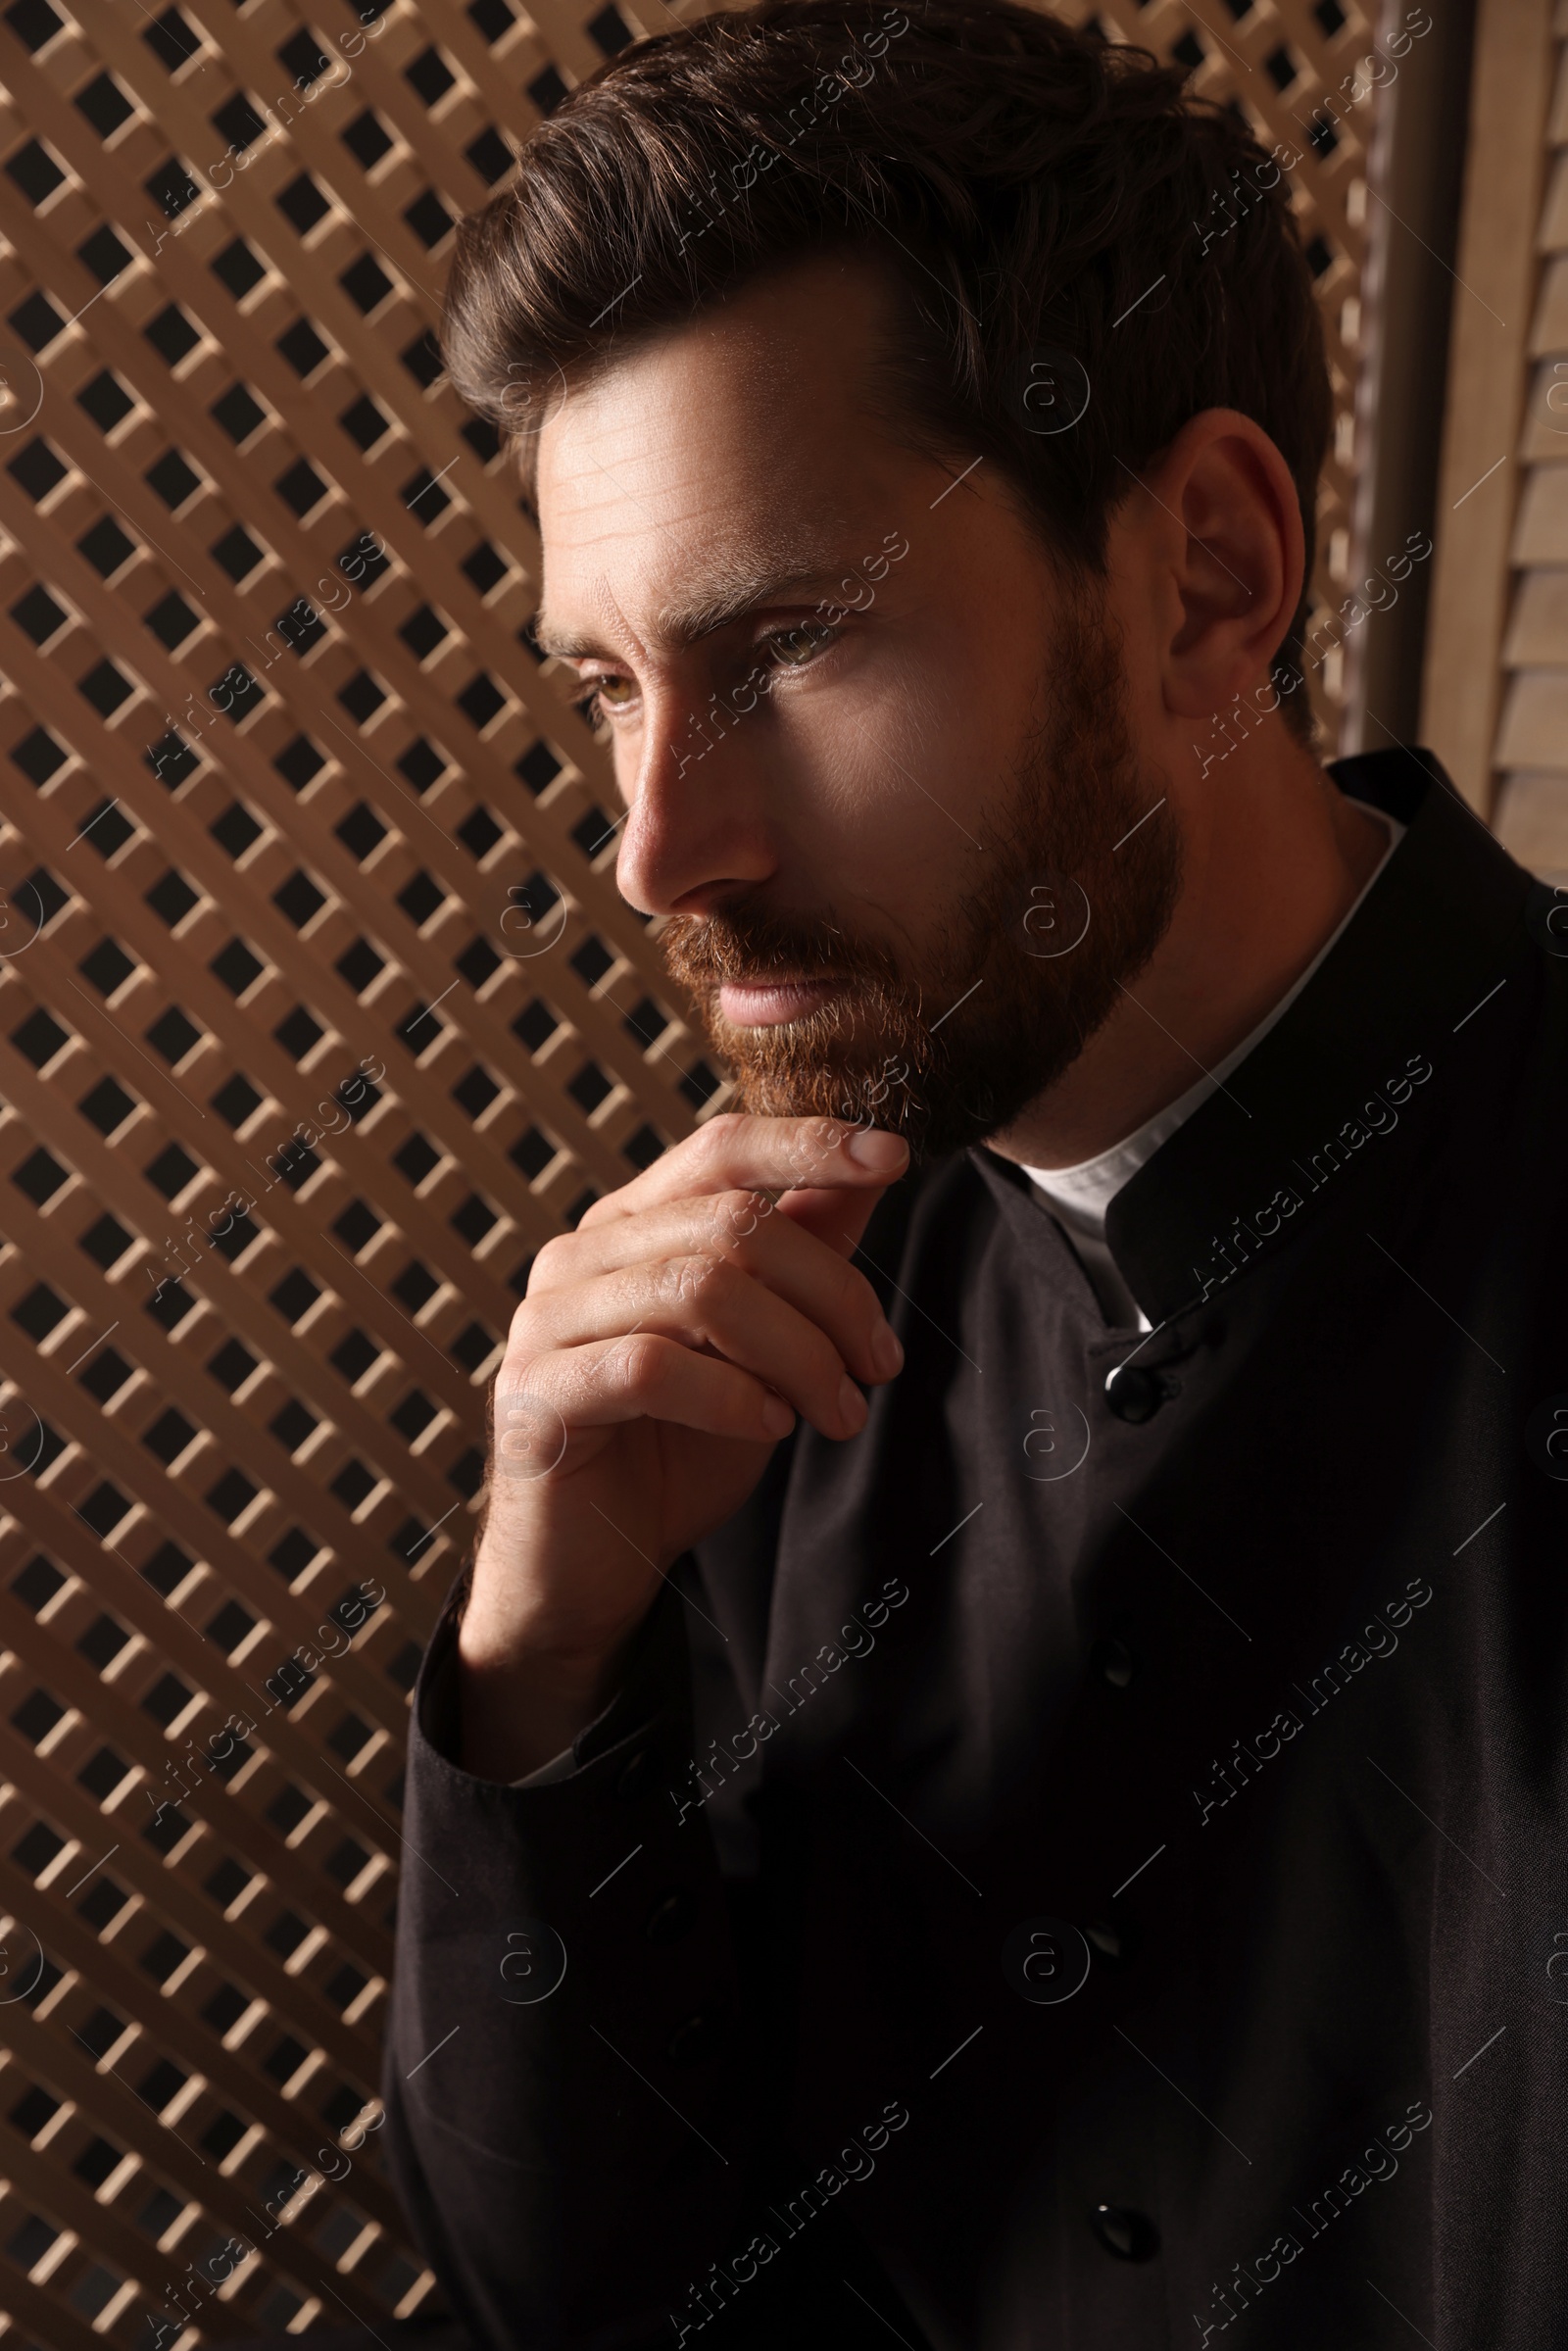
{"x": 318, "y": 1012}
{"x": 1530, "y": 751}
{"x": 1495, "y": 543}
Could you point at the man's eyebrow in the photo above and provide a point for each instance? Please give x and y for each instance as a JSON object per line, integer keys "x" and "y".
{"x": 718, "y": 605}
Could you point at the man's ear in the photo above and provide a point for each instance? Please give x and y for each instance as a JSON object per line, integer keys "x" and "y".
{"x": 1217, "y": 513}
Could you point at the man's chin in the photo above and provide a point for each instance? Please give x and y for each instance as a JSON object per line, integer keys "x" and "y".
{"x": 819, "y": 1091}
{"x": 940, "y": 1107}
{"x": 934, "y": 1123}
{"x": 843, "y": 1059}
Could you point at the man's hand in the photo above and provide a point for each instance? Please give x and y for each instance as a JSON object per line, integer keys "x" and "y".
{"x": 662, "y": 1351}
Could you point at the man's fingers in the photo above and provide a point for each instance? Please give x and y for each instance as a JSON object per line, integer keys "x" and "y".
{"x": 704, "y": 1302}
{"x": 763, "y": 1154}
{"x": 740, "y": 1227}
{"x": 642, "y": 1376}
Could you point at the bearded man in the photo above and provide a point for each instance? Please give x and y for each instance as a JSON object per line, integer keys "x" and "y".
{"x": 995, "y": 1774}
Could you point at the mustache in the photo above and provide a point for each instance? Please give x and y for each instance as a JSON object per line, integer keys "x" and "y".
{"x": 741, "y": 943}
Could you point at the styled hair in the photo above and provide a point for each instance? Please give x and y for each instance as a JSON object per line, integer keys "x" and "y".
{"x": 1082, "y": 256}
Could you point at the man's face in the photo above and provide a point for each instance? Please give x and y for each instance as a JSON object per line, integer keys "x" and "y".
{"x": 879, "y": 762}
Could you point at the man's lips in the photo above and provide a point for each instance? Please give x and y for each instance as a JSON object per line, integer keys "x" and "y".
{"x": 765, "y": 1003}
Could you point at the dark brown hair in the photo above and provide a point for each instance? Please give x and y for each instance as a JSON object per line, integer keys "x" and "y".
{"x": 1084, "y": 255}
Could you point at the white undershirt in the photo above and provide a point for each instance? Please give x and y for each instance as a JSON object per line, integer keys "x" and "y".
{"x": 1079, "y": 1196}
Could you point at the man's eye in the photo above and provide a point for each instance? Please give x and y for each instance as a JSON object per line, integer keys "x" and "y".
{"x": 598, "y": 697}
{"x": 793, "y": 647}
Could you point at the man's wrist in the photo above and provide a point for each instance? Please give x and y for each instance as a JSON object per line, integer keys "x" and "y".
{"x": 519, "y": 1706}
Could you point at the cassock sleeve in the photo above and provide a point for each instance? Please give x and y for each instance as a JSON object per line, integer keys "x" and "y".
{"x": 567, "y": 2123}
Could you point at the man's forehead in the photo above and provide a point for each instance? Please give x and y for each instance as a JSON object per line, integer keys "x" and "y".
{"x": 712, "y": 469}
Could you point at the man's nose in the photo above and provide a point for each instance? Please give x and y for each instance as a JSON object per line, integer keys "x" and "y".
{"x": 697, "y": 828}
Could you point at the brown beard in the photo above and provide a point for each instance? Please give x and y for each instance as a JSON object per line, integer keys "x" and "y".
{"x": 951, "y": 1052}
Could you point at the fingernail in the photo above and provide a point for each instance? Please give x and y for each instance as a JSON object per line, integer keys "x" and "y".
{"x": 777, "y": 1418}
{"x": 874, "y": 1147}
{"x": 885, "y": 1351}
{"x": 852, "y": 1403}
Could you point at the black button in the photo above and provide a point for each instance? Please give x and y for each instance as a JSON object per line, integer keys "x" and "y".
{"x": 1116, "y": 1944}
{"x": 1113, "y": 1661}
{"x": 670, "y": 1916}
{"x": 636, "y": 1776}
{"x": 1134, "y": 1392}
{"x": 692, "y": 2041}
{"x": 1129, "y": 2235}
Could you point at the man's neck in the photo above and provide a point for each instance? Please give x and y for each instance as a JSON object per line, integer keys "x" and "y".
{"x": 1275, "y": 858}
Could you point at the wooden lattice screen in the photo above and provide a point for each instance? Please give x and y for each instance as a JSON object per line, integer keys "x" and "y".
{"x": 319, "y": 1012}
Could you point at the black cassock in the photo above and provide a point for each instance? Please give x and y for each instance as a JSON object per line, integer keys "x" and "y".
{"x": 1082, "y": 1865}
